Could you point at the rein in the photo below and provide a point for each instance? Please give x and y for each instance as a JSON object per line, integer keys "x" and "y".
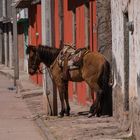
{"x": 41, "y": 70}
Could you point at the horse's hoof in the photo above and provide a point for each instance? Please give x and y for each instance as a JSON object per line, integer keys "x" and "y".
{"x": 67, "y": 114}
{"x": 90, "y": 115}
{"x": 60, "y": 115}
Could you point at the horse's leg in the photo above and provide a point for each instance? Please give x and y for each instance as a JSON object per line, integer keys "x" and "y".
{"x": 61, "y": 96}
{"x": 96, "y": 106}
{"x": 67, "y": 111}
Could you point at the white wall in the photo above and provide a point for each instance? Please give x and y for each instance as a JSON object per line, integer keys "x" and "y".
{"x": 117, "y": 41}
{"x": 118, "y": 7}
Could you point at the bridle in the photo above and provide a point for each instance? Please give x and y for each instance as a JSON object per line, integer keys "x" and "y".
{"x": 35, "y": 66}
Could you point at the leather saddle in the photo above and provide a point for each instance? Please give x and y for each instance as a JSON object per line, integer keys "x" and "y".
{"x": 70, "y": 58}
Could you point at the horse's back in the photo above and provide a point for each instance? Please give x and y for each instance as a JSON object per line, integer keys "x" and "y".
{"x": 93, "y": 61}
{"x": 94, "y": 64}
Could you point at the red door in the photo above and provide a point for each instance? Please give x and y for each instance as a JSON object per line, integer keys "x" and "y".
{"x": 86, "y": 35}
{"x": 70, "y": 26}
{"x": 35, "y": 33}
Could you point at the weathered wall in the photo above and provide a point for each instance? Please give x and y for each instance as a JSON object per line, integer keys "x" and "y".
{"x": 9, "y": 8}
{"x": 117, "y": 56}
{"x": 1, "y": 8}
{"x": 104, "y": 42}
{"x": 104, "y": 31}
{"x": 119, "y": 7}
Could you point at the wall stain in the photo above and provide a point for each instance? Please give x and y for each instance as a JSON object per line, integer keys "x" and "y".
{"x": 138, "y": 84}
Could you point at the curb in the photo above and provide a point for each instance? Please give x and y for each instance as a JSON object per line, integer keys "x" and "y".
{"x": 7, "y": 74}
{"x": 46, "y": 132}
{"x": 39, "y": 122}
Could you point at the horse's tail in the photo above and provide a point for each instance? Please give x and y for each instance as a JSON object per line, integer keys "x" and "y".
{"x": 106, "y": 75}
{"x": 107, "y": 89}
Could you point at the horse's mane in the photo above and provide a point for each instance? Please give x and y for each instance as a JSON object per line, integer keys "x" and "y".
{"x": 47, "y": 54}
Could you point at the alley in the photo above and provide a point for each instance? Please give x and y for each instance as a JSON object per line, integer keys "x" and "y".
{"x": 15, "y": 118}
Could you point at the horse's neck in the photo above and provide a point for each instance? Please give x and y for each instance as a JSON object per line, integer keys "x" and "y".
{"x": 48, "y": 55}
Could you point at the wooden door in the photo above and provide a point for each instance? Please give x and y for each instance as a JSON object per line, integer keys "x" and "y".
{"x": 35, "y": 33}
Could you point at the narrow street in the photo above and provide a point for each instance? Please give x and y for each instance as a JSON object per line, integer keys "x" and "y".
{"x": 22, "y": 117}
{"x": 15, "y": 118}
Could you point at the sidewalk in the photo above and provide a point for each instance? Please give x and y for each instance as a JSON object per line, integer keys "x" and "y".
{"x": 16, "y": 121}
{"x": 74, "y": 127}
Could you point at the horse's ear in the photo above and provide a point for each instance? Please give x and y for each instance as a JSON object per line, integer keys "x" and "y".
{"x": 27, "y": 50}
{"x": 30, "y": 48}
{"x": 33, "y": 48}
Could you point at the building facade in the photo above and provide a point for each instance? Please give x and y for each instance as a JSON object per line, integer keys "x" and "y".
{"x": 6, "y": 31}
{"x": 125, "y": 63}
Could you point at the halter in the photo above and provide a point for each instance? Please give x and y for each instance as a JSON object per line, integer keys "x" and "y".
{"x": 36, "y": 67}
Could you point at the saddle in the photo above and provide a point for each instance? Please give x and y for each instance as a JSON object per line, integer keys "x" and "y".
{"x": 70, "y": 58}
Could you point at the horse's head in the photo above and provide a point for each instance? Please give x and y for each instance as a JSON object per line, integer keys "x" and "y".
{"x": 33, "y": 59}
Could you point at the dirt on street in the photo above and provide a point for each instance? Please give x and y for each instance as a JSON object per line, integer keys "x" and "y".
{"x": 77, "y": 127}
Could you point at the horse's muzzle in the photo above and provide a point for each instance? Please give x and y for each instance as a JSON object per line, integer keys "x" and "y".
{"x": 32, "y": 71}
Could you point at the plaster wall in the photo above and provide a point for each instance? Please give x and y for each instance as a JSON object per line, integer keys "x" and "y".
{"x": 118, "y": 8}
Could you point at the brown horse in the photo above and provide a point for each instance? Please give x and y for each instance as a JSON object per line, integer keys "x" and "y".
{"x": 94, "y": 70}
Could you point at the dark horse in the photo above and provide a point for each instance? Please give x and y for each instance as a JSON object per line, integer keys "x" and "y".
{"x": 95, "y": 71}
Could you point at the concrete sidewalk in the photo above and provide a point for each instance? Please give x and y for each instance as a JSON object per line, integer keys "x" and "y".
{"x": 24, "y": 83}
{"x": 16, "y": 120}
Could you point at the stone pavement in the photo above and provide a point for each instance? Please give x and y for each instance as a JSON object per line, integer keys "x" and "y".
{"x": 75, "y": 127}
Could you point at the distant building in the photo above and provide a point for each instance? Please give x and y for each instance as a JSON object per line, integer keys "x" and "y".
{"x": 6, "y": 45}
